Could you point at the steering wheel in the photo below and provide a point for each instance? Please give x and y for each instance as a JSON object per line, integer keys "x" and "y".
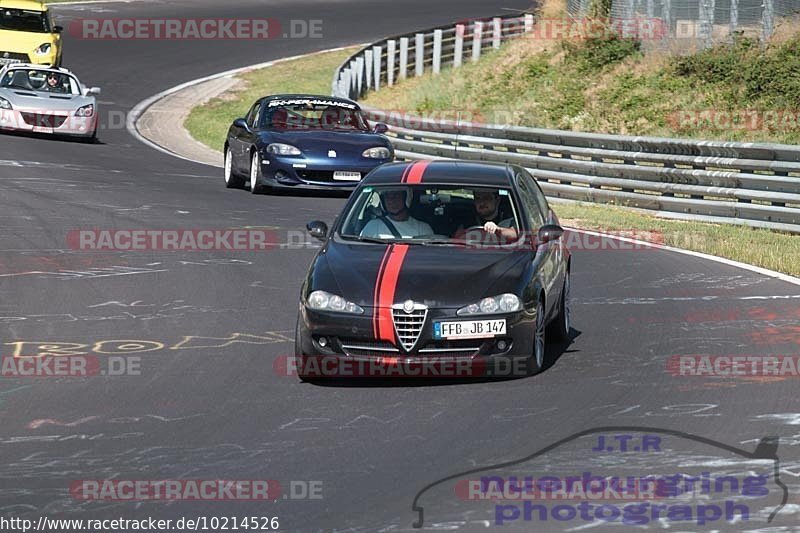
{"x": 474, "y": 227}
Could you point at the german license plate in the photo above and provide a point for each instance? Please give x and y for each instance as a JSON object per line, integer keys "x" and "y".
{"x": 346, "y": 176}
{"x": 42, "y": 129}
{"x": 469, "y": 329}
{"x": 4, "y": 61}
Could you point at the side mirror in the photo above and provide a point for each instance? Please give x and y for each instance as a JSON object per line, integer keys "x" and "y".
{"x": 93, "y": 91}
{"x": 58, "y": 29}
{"x": 317, "y": 229}
{"x": 549, "y": 232}
{"x": 380, "y": 127}
{"x": 241, "y": 123}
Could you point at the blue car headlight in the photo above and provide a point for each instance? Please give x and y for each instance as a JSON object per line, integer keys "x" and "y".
{"x": 504, "y": 303}
{"x": 282, "y": 149}
{"x": 325, "y": 301}
{"x": 43, "y": 49}
{"x": 378, "y": 152}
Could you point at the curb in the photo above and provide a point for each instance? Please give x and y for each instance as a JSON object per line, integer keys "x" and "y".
{"x": 141, "y": 108}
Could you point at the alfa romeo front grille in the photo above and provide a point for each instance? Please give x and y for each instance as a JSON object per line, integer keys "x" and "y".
{"x": 361, "y": 348}
{"x": 409, "y": 318}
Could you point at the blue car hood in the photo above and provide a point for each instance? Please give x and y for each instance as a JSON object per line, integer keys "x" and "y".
{"x": 317, "y": 143}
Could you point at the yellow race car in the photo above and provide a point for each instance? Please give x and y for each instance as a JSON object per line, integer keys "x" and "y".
{"x": 27, "y": 34}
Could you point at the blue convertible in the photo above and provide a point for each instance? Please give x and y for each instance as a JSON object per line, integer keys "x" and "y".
{"x": 303, "y": 141}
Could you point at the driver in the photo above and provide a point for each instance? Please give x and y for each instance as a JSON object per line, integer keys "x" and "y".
{"x": 397, "y": 222}
{"x": 487, "y": 211}
{"x": 54, "y": 84}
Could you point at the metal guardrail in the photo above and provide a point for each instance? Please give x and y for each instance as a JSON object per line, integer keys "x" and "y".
{"x": 756, "y": 184}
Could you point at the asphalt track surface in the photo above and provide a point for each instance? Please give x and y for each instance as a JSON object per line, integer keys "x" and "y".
{"x": 208, "y": 403}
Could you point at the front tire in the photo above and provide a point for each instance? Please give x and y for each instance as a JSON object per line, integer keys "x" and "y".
{"x": 558, "y": 329}
{"x": 536, "y": 360}
{"x": 255, "y": 174}
{"x": 232, "y": 179}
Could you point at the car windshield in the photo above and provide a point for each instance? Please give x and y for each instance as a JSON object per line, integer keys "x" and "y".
{"x": 433, "y": 215}
{"x": 40, "y": 81}
{"x": 24, "y": 20}
{"x": 313, "y": 114}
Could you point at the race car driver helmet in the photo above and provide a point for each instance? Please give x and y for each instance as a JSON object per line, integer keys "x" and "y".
{"x": 387, "y": 190}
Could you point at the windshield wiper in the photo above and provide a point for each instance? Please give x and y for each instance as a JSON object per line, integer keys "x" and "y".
{"x": 361, "y": 238}
{"x": 442, "y": 242}
{"x": 390, "y": 240}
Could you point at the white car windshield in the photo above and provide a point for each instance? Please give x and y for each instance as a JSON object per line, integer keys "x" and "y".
{"x": 40, "y": 81}
{"x": 427, "y": 214}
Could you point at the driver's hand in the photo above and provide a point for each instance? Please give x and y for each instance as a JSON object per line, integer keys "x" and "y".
{"x": 490, "y": 227}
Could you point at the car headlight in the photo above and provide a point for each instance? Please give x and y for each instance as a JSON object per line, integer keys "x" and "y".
{"x": 5, "y": 104}
{"x": 85, "y": 111}
{"x": 282, "y": 149}
{"x": 325, "y": 301}
{"x": 379, "y": 152}
{"x": 43, "y": 49}
{"x": 504, "y": 303}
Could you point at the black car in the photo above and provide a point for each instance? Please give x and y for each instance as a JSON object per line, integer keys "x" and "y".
{"x": 452, "y": 261}
{"x": 303, "y": 141}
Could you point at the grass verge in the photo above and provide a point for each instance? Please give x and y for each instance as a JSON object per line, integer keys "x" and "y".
{"x": 759, "y": 247}
{"x": 209, "y": 123}
{"x": 737, "y": 91}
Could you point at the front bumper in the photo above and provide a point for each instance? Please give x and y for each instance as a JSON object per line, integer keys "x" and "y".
{"x": 308, "y": 173}
{"x": 48, "y": 122}
{"x": 346, "y": 345}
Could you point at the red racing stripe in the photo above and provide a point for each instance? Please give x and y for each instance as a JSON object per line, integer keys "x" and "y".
{"x": 378, "y": 279}
{"x": 416, "y": 172}
{"x": 386, "y": 289}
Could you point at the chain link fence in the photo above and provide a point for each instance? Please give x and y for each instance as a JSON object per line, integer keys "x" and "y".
{"x": 700, "y": 23}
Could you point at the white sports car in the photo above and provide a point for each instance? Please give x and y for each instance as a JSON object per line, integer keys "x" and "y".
{"x": 47, "y": 100}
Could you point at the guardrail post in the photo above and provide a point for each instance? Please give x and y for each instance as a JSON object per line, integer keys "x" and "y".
{"x": 419, "y": 63}
{"x": 360, "y": 75}
{"x": 353, "y": 79}
{"x": 458, "y": 53}
{"x": 497, "y": 26}
{"x": 391, "y": 47}
{"x": 368, "y": 69}
{"x": 347, "y": 84}
{"x": 376, "y": 67}
{"x": 528, "y": 22}
{"x": 437, "y": 51}
{"x": 477, "y": 36}
{"x": 403, "y": 58}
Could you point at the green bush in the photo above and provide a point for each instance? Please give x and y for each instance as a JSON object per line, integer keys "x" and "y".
{"x": 596, "y": 53}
